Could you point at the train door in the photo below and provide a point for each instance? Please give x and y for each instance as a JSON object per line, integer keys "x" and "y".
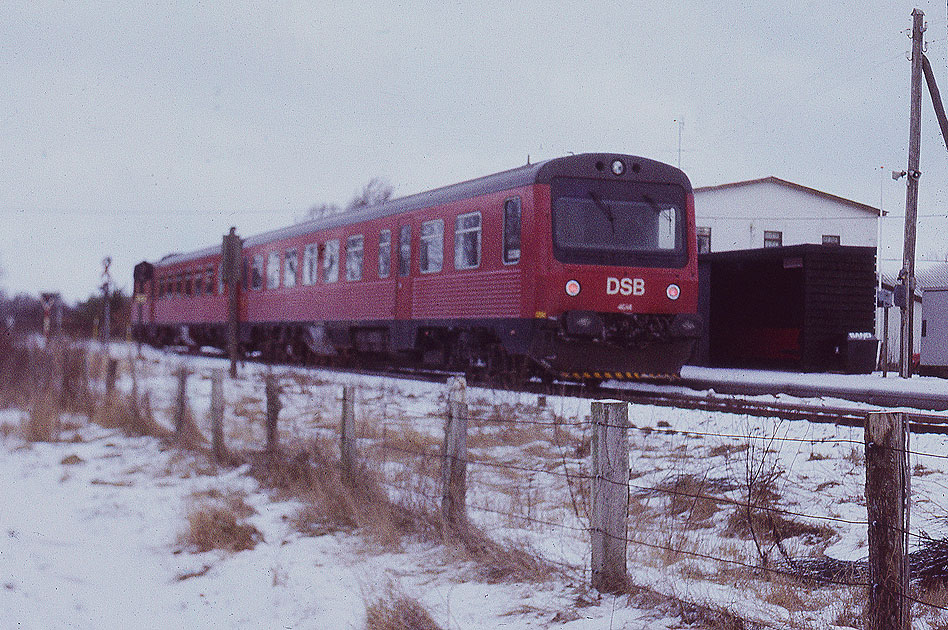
{"x": 403, "y": 329}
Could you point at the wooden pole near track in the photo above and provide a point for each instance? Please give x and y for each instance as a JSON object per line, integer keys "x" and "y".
{"x": 231, "y": 251}
{"x": 907, "y": 274}
{"x": 609, "y": 522}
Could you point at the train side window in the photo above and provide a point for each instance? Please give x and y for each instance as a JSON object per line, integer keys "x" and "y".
{"x": 404, "y": 250}
{"x": 512, "y": 220}
{"x": 354, "y": 250}
{"x": 310, "y": 259}
{"x": 273, "y": 270}
{"x": 331, "y": 261}
{"x": 289, "y": 268}
{"x": 256, "y": 272}
{"x": 431, "y": 252}
{"x": 467, "y": 241}
{"x": 385, "y": 253}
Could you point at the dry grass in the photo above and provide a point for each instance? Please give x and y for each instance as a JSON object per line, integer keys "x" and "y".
{"x": 773, "y": 527}
{"x": 131, "y": 414}
{"x": 215, "y": 526}
{"x": 689, "y": 497}
{"x": 42, "y": 423}
{"x": 332, "y": 503}
{"x": 396, "y": 611}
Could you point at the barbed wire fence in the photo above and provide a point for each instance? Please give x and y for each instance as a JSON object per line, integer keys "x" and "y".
{"x": 526, "y": 466}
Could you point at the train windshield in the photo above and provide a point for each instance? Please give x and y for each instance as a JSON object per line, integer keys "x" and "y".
{"x": 618, "y": 223}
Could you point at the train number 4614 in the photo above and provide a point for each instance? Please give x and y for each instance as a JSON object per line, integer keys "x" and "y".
{"x": 625, "y": 286}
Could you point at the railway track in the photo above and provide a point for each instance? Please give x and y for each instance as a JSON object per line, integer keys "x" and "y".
{"x": 920, "y": 421}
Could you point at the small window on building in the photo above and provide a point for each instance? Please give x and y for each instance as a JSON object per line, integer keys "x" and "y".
{"x": 256, "y": 272}
{"x": 831, "y": 239}
{"x": 310, "y": 262}
{"x": 179, "y": 288}
{"x": 220, "y": 278}
{"x": 187, "y": 285}
{"x": 512, "y": 231}
{"x": 354, "y": 250}
{"x": 331, "y": 261}
{"x": 704, "y": 240}
{"x": 289, "y": 268}
{"x": 404, "y": 250}
{"x": 209, "y": 284}
{"x": 431, "y": 254}
{"x": 273, "y": 270}
{"x": 385, "y": 253}
{"x": 467, "y": 241}
{"x": 773, "y": 239}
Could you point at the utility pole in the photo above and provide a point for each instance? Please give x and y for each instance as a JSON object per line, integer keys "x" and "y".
{"x": 106, "y": 299}
{"x": 907, "y": 274}
{"x": 231, "y": 252}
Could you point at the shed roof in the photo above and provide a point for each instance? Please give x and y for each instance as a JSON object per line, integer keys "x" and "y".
{"x": 933, "y": 277}
{"x": 782, "y": 182}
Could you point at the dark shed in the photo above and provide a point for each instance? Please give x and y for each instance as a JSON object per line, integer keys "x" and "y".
{"x": 806, "y": 307}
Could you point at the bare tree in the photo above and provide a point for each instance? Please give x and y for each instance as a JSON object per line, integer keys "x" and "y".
{"x": 376, "y": 191}
{"x": 373, "y": 193}
{"x": 321, "y": 210}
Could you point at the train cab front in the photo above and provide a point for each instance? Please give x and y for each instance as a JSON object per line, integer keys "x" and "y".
{"x": 620, "y": 296}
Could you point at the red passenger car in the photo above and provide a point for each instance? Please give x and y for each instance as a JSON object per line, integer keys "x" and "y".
{"x": 583, "y": 266}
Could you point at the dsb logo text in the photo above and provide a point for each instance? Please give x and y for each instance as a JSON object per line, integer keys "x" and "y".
{"x": 625, "y": 286}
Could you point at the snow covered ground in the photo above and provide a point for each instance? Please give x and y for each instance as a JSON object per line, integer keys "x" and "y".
{"x": 92, "y": 527}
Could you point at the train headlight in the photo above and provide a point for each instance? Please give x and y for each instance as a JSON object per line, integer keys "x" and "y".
{"x": 572, "y": 288}
{"x": 618, "y": 167}
{"x": 673, "y": 291}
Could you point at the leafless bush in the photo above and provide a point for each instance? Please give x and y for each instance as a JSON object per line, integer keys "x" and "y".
{"x": 396, "y": 611}
{"x": 215, "y": 526}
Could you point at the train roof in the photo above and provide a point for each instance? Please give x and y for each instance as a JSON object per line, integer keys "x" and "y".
{"x": 582, "y": 165}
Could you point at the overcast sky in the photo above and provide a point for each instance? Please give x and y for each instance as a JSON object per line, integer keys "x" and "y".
{"x": 136, "y": 129}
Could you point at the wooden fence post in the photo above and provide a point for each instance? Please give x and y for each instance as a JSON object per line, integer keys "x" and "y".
{"x": 110, "y": 376}
{"x": 610, "y": 495}
{"x": 887, "y": 478}
{"x": 347, "y": 443}
{"x": 273, "y": 413}
{"x": 454, "y": 462}
{"x": 181, "y": 400}
{"x": 217, "y": 416}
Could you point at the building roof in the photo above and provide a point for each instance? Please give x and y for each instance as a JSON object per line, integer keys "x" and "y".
{"x": 933, "y": 277}
{"x": 806, "y": 189}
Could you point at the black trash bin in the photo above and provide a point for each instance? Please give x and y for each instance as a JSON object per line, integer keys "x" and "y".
{"x": 860, "y": 353}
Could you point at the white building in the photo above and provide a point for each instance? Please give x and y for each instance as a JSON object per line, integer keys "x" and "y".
{"x": 773, "y": 212}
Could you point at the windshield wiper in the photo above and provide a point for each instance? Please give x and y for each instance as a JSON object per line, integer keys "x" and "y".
{"x": 606, "y": 210}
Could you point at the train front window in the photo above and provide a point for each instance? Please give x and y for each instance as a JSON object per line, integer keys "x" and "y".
{"x": 618, "y": 223}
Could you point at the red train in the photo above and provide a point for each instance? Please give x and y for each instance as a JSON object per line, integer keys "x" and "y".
{"x": 583, "y": 267}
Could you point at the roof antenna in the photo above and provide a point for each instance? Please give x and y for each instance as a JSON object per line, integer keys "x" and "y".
{"x": 528, "y": 159}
